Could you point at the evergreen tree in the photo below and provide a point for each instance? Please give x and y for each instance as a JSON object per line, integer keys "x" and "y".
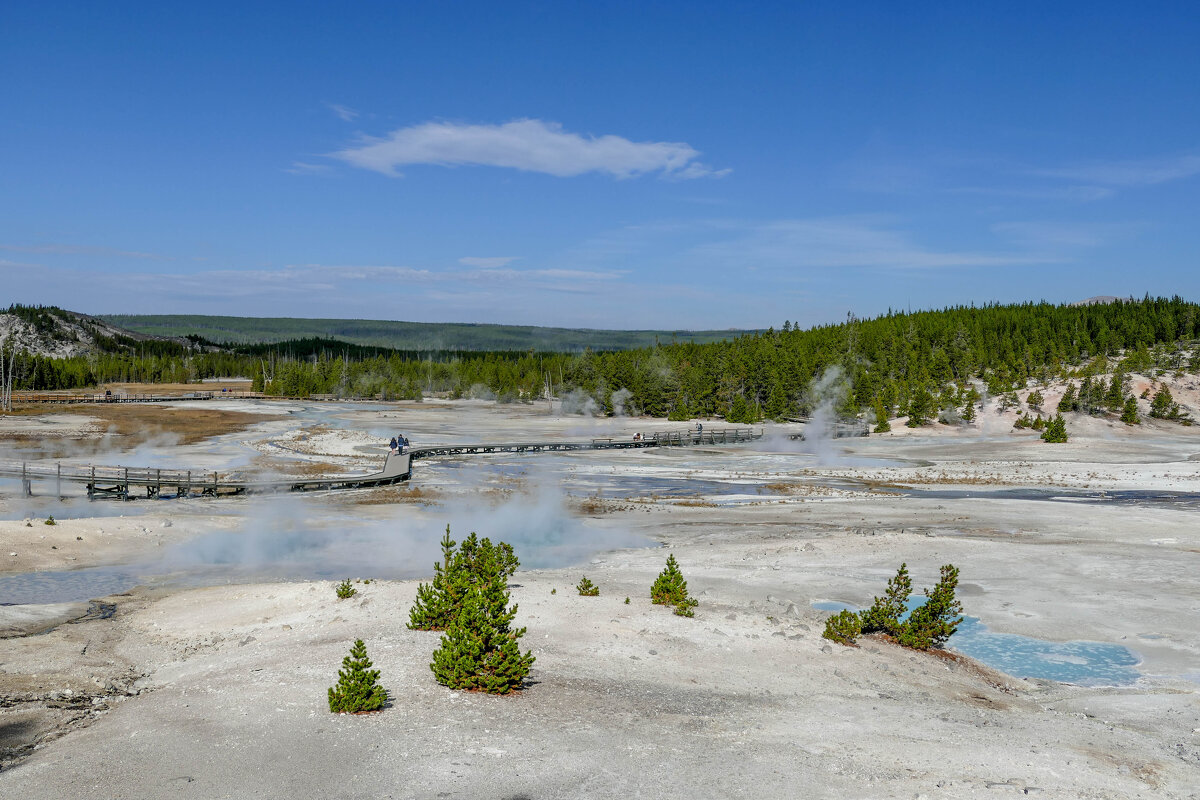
{"x": 920, "y": 408}
{"x": 1056, "y": 430}
{"x": 475, "y": 560}
{"x": 358, "y": 688}
{"x": 881, "y": 417}
{"x": 968, "y": 412}
{"x": 436, "y": 601}
{"x": 671, "y": 589}
{"x": 931, "y": 624}
{"x": 1114, "y": 398}
{"x": 741, "y": 411}
{"x": 1160, "y": 405}
{"x": 1069, "y": 401}
{"x": 1129, "y": 415}
{"x": 843, "y": 627}
{"x": 1035, "y": 400}
{"x": 884, "y": 614}
{"x": 480, "y": 649}
{"x": 588, "y": 589}
{"x": 778, "y": 405}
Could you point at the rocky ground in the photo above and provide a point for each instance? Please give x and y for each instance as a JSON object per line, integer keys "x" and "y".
{"x": 219, "y": 691}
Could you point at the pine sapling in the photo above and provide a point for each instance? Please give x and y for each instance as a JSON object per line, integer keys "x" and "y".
{"x": 345, "y": 590}
{"x": 480, "y": 648}
{"x": 930, "y": 625}
{"x": 669, "y": 587}
{"x": 587, "y": 588}
{"x": 843, "y": 627}
{"x": 1129, "y": 414}
{"x": 431, "y": 610}
{"x": 884, "y": 614}
{"x": 358, "y": 688}
{"x": 684, "y": 608}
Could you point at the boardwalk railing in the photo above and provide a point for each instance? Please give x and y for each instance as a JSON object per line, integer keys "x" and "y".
{"x": 683, "y": 438}
{"x": 123, "y": 397}
{"x": 120, "y": 481}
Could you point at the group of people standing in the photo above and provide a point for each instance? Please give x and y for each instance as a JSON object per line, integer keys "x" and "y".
{"x": 398, "y": 443}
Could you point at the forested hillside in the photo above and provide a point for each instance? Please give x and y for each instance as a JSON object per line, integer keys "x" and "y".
{"x": 898, "y": 364}
{"x": 424, "y": 336}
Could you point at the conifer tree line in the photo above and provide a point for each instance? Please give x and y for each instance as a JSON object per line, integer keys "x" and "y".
{"x": 899, "y": 364}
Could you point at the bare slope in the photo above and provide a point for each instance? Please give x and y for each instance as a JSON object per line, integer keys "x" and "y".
{"x": 57, "y": 333}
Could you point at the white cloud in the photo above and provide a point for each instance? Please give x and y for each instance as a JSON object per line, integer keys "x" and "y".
{"x": 344, "y": 113}
{"x": 839, "y": 242}
{"x": 531, "y": 145}
{"x": 1065, "y": 235}
{"x": 81, "y": 250}
{"x": 303, "y": 168}
{"x": 1147, "y": 172}
{"x": 487, "y": 263}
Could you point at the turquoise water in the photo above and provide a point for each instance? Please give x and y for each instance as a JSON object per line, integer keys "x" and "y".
{"x": 1078, "y": 662}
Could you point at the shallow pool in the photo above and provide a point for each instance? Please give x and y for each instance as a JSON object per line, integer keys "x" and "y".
{"x": 1078, "y": 662}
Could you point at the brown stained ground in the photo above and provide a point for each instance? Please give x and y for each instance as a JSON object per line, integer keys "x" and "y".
{"x": 130, "y": 425}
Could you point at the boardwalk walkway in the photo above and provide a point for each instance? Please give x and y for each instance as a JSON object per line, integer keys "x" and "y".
{"x": 122, "y": 482}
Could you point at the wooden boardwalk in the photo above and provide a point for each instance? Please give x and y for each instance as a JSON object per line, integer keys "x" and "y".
{"x": 123, "y": 483}
{"x": 52, "y": 398}
{"x": 687, "y": 438}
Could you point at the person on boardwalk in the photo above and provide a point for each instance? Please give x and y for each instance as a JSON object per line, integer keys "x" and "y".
{"x": 394, "y": 446}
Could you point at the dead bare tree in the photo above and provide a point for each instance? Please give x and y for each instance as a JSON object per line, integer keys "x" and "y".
{"x": 6, "y": 375}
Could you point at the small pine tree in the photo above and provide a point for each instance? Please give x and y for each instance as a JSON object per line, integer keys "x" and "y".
{"x": 843, "y": 627}
{"x": 1129, "y": 415}
{"x": 587, "y": 588}
{"x": 684, "y": 608}
{"x": 919, "y": 408}
{"x": 1069, "y": 401}
{"x": 670, "y": 588}
{"x": 881, "y": 417}
{"x": 931, "y": 624}
{"x": 1056, "y": 430}
{"x": 50, "y": 520}
{"x": 1035, "y": 400}
{"x": 1114, "y": 398}
{"x": 480, "y": 649}
{"x": 358, "y": 688}
{"x": 453, "y": 577}
{"x": 345, "y": 591}
{"x": 1160, "y": 406}
{"x": 432, "y": 609}
{"x": 968, "y": 412}
{"x": 884, "y": 614}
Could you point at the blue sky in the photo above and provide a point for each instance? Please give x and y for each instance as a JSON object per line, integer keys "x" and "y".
{"x": 697, "y": 165}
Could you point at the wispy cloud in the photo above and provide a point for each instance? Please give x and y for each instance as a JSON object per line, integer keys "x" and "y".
{"x": 304, "y": 168}
{"x": 844, "y": 242}
{"x": 531, "y": 145}
{"x": 4, "y": 262}
{"x": 1147, "y": 172}
{"x": 1072, "y": 194}
{"x": 344, "y": 113}
{"x": 487, "y": 263}
{"x": 81, "y": 250}
{"x": 1065, "y": 236}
